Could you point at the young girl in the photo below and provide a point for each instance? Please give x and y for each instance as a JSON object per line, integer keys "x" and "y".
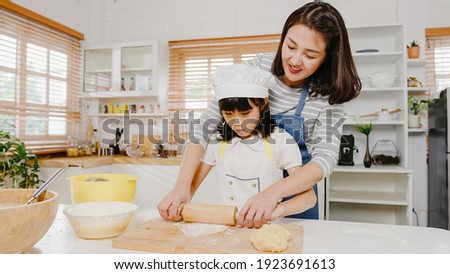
{"x": 315, "y": 74}
{"x": 249, "y": 153}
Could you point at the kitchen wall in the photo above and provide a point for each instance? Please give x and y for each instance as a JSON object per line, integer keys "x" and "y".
{"x": 79, "y": 15}
{"x": 124, "y": 20}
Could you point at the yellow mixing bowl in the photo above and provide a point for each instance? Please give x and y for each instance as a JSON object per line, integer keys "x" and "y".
{"x": 102, "y": 187}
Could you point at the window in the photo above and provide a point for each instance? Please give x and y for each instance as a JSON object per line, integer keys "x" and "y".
{"x": 40, "y": 82}
{"x": 438, "y": 59}
{"x": 193, "y": 61}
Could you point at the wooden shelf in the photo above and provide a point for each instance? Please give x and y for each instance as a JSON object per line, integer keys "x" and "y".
{"x": 368, "y": 197}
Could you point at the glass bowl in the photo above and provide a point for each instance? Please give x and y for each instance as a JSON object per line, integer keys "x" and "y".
{"x": 99, "y": 220}
{"x": 385, "y": 152}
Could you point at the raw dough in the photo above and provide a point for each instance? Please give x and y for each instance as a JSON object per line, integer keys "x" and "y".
{"x": 198, "y": 229}
{"x": 270, "y": 237}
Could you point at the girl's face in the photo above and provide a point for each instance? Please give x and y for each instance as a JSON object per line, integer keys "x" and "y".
{"x": 243, "y": 123}
{"x": 303, "y": 51}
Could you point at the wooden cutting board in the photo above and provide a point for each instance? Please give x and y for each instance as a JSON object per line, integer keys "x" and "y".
{"x": 158, "y": 235}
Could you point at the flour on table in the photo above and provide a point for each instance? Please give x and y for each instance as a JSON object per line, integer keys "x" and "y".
{"x": 198, "y": 229}
{"x": 271, "y": 238}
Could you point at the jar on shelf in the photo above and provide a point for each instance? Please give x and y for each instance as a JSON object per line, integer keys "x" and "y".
{"x": 87, "y": 149}
{"x": 413, "y": 82}
{"x": 72, "y": 147}
{"x": 385, "y": 152}
{"x": 81, "y": 150}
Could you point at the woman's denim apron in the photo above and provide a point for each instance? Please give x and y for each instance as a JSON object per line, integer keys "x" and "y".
{"x": 294, "y": 125}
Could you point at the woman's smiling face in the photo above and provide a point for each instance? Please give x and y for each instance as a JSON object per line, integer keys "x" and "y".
{"x": 303, "y": 51}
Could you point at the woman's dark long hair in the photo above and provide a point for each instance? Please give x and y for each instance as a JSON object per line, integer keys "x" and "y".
{"x": 337, "y": 77}
{"x": 264, "y": 127}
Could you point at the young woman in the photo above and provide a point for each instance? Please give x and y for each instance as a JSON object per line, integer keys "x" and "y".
{"x": 315, "y": 74}
{"x": 248, "y": 152}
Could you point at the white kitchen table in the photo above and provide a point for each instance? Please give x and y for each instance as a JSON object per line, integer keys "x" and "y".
{"x": 320, "y": 237}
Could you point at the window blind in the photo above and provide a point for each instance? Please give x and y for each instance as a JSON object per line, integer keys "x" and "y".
{"x": 40, "y": 82}
{"x": 437, "y": 54}
{"x": 193, "y": 61}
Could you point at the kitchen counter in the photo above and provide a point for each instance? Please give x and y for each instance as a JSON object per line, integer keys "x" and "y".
{"x": 96, "y": 161}
{"x": 320, "y": 237}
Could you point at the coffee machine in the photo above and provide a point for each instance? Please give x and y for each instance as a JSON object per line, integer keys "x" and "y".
{"x": 346, "y": 150}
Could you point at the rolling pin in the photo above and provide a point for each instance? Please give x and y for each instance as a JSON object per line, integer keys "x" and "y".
{"x": 209, "y": 214}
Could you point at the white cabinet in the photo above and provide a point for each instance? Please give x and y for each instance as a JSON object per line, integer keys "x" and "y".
{"x": 381, "y": 193}
{"x": 374, "y": 195}
{"x": 126, "y": 78}
{"x": 417, "y": 141}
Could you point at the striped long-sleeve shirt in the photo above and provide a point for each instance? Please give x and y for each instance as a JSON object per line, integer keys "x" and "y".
{"x": 323, "y": 122}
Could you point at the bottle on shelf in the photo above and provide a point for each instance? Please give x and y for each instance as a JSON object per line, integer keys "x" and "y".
{"x": 117, "y": 110}
{"x": 122, "y": 84}
{"x": 89, "y": 131}
{"x": 95, "y": 142}
{"x": 132, "y": 84}
{"x": 149, "y": 83}
{"x": 129, "y": 83}
{"x": 111, "y": 107}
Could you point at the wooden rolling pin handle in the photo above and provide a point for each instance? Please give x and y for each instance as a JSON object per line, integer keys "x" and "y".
{"x": 210, "y": 214}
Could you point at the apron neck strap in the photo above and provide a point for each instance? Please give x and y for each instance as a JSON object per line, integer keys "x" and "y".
{"x": 302, "y": 99}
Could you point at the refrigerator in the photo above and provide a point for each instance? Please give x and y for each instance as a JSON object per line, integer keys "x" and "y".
{"x": 438, "y": 160}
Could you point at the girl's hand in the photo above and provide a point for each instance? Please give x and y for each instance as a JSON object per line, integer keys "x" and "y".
{"x": 256, "y": 211}
{"x": 171, "y": 206}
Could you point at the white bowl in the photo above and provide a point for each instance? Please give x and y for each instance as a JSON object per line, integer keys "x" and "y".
{"x": 99, "y": 220}
{"x": 382, "y": 79}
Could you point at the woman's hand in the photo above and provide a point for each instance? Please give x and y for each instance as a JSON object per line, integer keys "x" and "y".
{"x": 257, "y": 210}
{"x": 171, "y": 206}
{"x": 278, "y": 212}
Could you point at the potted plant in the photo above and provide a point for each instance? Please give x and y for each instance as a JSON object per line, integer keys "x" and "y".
{"x": 415, "y": 106}
{"x": 19, "y": 167}
{"x": 366, "y": 129}
{"x": 413, "y": 49}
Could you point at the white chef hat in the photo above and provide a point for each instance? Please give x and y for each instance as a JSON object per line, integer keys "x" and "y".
{"x": 241, "y": 81}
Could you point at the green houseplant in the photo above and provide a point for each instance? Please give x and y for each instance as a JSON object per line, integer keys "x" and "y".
{"x": 415, "y": 106}
{"x": 19, "y": 168}
{"x": 413, "y": 49}
{"x": 366, "y": 129}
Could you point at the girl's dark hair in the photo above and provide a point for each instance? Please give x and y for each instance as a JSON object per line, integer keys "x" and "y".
{"x": 264, "y": 127}
{"x": 337, "y": 77}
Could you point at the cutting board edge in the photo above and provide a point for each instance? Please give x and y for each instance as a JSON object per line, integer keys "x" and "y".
{"x": 126, "y": 241}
